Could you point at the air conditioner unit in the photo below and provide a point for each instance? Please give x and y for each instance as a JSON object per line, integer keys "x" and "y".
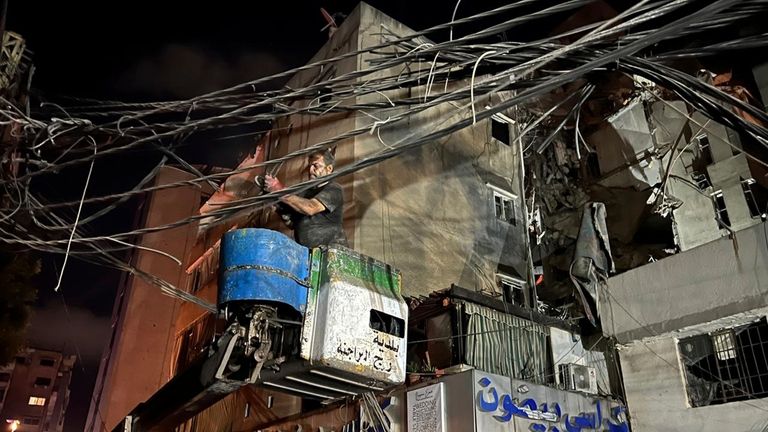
{"x": 576, "y": 377}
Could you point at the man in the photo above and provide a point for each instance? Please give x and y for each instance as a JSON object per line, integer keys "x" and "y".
{"x": 317, "y": 214}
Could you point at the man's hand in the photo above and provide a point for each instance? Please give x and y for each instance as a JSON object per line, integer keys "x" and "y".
{"x": 304, "y": 206}
{"x": 272, "y": 184}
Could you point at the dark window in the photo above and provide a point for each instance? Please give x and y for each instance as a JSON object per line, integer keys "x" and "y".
{"x": 5, "y": 377}
{"x": 195, "y": 285}
{"x": 21, "y": 360}
{"x": 720, "y": 210}
{"x": 746, "y": 186}
{"x": 387, "y": 323}
{"x": 704, "y": 149}
{"x": 593, "y": 165}
{"x": 500, "y": 131}
{"x": 31, "y": 421}
{"x": 702, "y": 181}
{"x": 42, "y": 382}
{"x": 513, "y": 289}
{"x": 727, "y": 365}
{"x": 47, "y": 362}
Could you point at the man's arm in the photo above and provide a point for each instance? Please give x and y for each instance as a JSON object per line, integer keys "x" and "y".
{"x": 305, "y": 206}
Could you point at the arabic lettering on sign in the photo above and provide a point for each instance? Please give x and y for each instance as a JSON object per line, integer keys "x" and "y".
{"x": 547, "y": 417}
{"x": 381, "y": 365}
{"x": 364, "y": 356}
{"x": 386, "y": 342}
{"x": 353, "y": 352}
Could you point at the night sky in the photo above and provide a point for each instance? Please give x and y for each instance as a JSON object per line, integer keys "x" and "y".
{"x": 138, "y": 51}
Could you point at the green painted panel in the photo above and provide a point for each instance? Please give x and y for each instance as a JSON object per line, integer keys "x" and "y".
{"x": 341, "y": 264}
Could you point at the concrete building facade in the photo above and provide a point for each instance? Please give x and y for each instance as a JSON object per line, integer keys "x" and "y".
{"x": 136, "y": 360}
{"x": 692, "y": 334}
{"x": 451, "y": 213}
{"x": 34, "y": 390}
{"x": 448, "y": 212}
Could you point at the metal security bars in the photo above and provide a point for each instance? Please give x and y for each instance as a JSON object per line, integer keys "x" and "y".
{"x": 727, "y": 365}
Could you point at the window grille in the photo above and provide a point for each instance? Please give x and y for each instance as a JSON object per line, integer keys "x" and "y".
{"x": 726, "y": 366}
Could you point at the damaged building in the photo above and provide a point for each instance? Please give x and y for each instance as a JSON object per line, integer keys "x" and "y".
{"x": 450, "y": 216}
{"x": 591, "y": 259}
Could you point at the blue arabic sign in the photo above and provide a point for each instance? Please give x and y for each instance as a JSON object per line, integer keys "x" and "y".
{"x": 547, "y": 416}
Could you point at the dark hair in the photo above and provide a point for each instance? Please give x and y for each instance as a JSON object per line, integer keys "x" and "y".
{"x": 328, "y": 157}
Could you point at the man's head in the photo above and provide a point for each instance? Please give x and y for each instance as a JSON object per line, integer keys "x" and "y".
{"x": 320, "y": 163}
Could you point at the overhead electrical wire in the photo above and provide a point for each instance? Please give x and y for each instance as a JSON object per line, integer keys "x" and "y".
{"x": 52, "y": 143}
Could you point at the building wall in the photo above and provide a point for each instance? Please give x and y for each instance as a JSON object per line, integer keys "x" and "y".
{"x": 628, "y": 146}
{"x": 28, "y": 375}
{"x": 428, "y": 211}
{"x": 694, "y": 220}
{"x": 716, "y": 280}
{"x": 136, "y": 361}
{"x": 657, "y": 399}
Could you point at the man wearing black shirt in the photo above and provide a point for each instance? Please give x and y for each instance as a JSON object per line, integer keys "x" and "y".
{"x": 316, "y": 216}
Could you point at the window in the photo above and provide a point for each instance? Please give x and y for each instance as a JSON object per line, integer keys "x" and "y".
{"x": 5, "y": 376}
{"x": 702, "y": 181}
{"x": 20, "y": 360}
{"x": 504, "y": 205}
{"x": 727, "y": 365}
{"x": 500, "y": 130}
{"x": 512, "y": 288}
{"x": 194, "y": 285}
{"x": 47, "y": 362}
{"x": 31, "y": 421}
{"x": 39, "y": 401}
{"x": 705, "y": 151}
{"x": 387, "y": 323}
{"x": 721, "y": 212}
{"x": 746, "y": 187}
{"x": 593, "y": 165}
{"x": 42, "y": 382}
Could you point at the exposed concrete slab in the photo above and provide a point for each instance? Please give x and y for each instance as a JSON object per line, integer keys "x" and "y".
{"x": 712, "y": 281}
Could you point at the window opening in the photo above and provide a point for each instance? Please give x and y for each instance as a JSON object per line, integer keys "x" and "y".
{"x": 38, "y": 401}
{"x": 727, "y": 365}
{"x": 720, "y": 210}
{"x": 749, "y": 195}
{"x": 504, "y": 205}
{"x": 500, "y": 130}
{"x": 705, "y": 150}
{"x": 42, "y": 382}
{"x": 513, "y": 289}
{"x": 387, "y": 323}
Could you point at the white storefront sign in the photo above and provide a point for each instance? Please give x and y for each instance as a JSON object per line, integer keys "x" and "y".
{"x": 426, "y": 409}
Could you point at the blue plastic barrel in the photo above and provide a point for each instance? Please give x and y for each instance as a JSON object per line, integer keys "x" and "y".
{"x": 260, "y": 265}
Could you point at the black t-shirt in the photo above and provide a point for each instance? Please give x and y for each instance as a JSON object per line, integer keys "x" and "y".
{"x": 323, "y": 228}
